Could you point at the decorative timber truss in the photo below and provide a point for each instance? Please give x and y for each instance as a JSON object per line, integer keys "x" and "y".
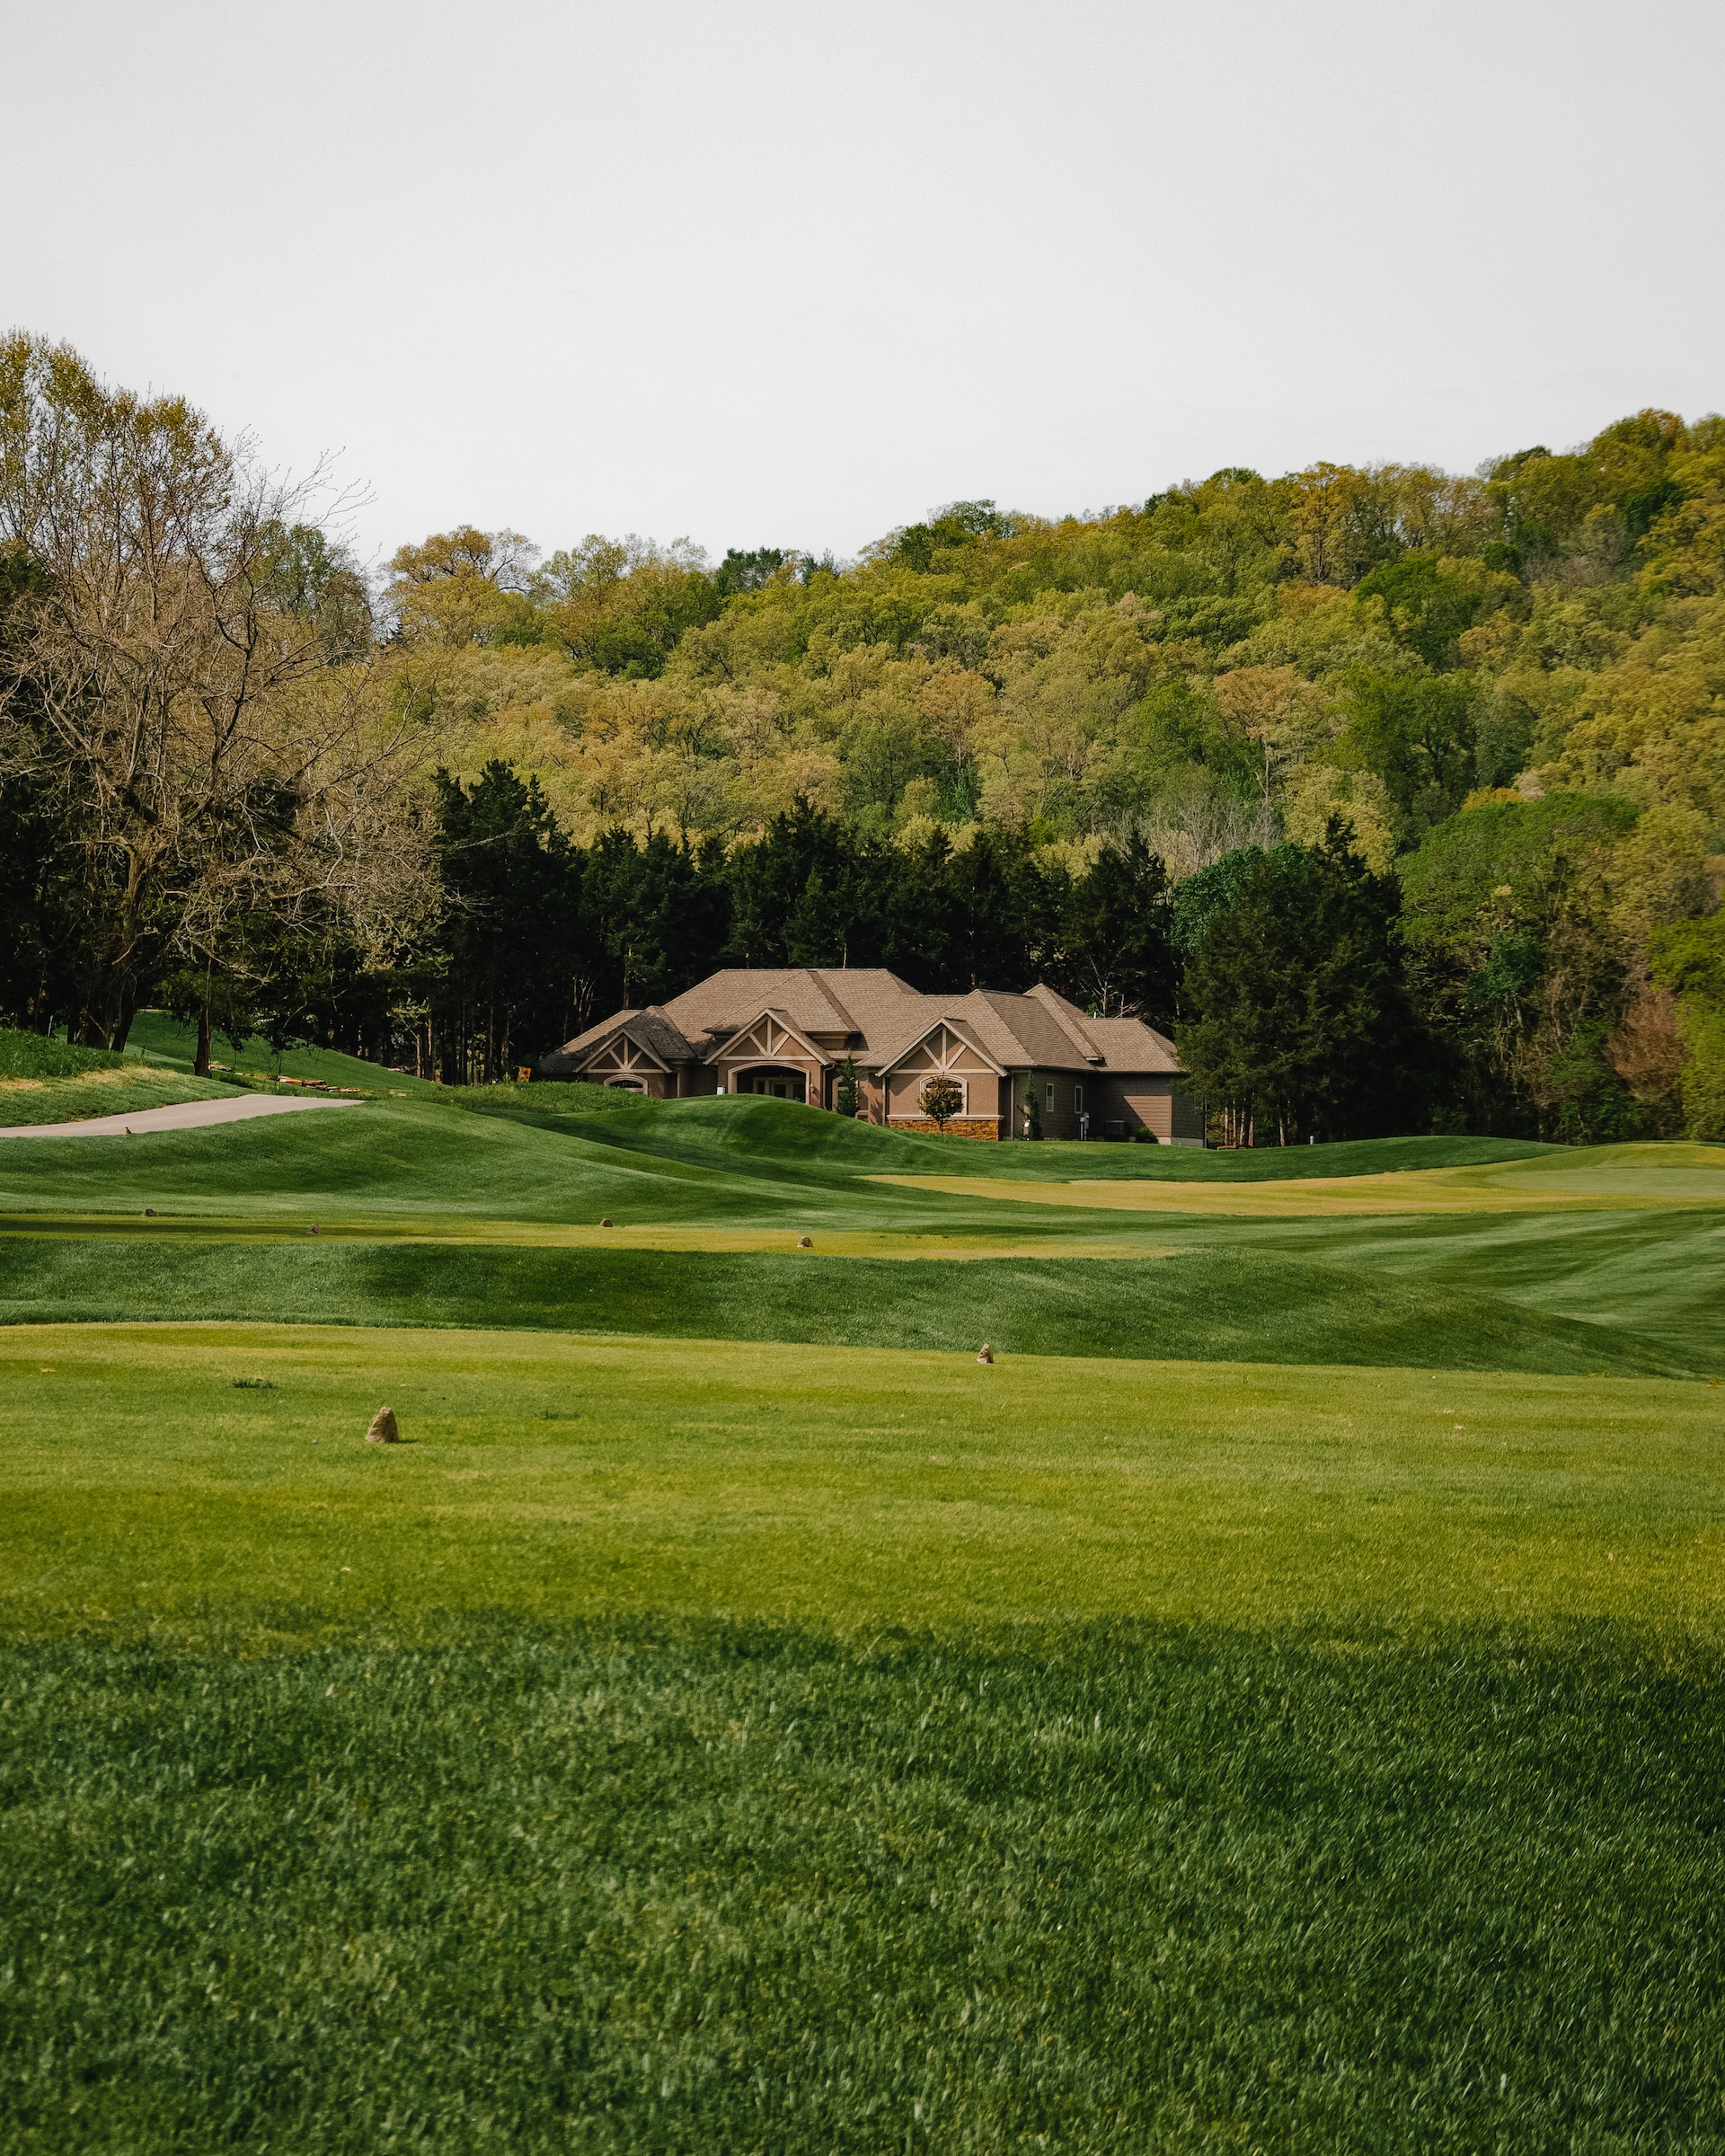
{"x": 944, "y": 1052}
{"x": 623, "y": 1061}
{"x": 769, "y": 1038}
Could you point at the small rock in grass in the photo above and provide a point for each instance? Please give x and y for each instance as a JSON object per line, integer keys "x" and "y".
{"x": 605, "y": 1222}
{"x": 149, "y": 1211}
{"x": 985, "y": 1353}
{"x": 805, "y": 1242}
{"x": 383, "y": 1430}
{"x": 313, "y": 1229}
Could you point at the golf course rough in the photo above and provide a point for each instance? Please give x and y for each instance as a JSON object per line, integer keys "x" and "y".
{"x": 1277, "y": 1704}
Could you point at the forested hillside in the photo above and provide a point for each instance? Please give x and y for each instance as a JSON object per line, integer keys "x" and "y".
{"x": 492, "y": 793}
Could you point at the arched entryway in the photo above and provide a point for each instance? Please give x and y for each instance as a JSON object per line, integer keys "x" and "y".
{"x": 773, "y": 1079}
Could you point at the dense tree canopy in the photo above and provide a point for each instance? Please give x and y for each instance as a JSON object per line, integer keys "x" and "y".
{"x": 998, "y": 746}
{"x": 1299, "y": 1025}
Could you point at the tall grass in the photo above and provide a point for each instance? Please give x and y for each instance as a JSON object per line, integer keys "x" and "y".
{"x": 55, "y": 1080}
{"x": 720, "y": 1887}
{"x": 31, "y": 1055}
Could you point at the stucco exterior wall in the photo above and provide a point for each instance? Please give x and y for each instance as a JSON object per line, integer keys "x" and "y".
{"x": 981, "y": 1090}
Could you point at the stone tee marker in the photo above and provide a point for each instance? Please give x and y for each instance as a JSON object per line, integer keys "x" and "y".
{"x": 383, "y": 1430}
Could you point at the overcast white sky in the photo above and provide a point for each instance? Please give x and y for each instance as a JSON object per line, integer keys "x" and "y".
{"x": 773, "y": 274}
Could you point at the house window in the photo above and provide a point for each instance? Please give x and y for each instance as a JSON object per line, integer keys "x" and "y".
{"x": 1048, "y": 1096}
{"x": 1077, "y": 1099}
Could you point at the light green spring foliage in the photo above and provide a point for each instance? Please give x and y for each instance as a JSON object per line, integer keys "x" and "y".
{"x": 1231, "y": 662}
{"x": 1379, "y": 643}
{"x": 1688, "y": 961}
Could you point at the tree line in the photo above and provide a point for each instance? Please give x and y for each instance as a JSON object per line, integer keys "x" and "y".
{"x": 1437, "y": 763}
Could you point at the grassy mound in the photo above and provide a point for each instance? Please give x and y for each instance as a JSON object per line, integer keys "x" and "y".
{"x": 748, "y": 1128}
{"x": 548, "y": 1101}
{"x": 56, "y": 1082}
{"x": 158, "y": 1039}
{"x": 400, "y": 1158}
{"x": 31, "y": 1055}
{"x": 1272, "y": 1163}
{"x": 1527, "y": 1290}
{"x": 1219, "y": 1303}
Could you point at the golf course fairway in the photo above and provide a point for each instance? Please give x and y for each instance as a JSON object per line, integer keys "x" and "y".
{"x": 1277, "y": 1704}
{"x": 216, "y": 1469}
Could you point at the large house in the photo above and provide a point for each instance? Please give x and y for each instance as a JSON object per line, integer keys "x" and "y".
{"x": 791, "y": 1031}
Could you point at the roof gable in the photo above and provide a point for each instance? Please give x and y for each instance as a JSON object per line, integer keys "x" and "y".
{"x": 768, "y": 1035}
{"x": 948, "y": 1037}
{"x": 871, "y": 1014}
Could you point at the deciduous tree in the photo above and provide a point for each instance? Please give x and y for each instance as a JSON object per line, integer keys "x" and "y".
{"x": 181, "y": 691}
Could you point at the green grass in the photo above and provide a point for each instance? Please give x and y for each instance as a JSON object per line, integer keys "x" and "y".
{"x": 697, "y": 1746}
{"x": 747, "y": 1128}
{"x": 159, "y": 1038}
{"x": 549, "y": 1102}
{"x": 46, "y": 1081}
{"x": 1605, "y": 1290}
{"x": 562, "y": 1476}
{"x": 741, "y": 1887}
{"x": 117, "y": 1088}
{"x": 1214, "y": 1301}
{"x": 1280, "y": 1705}
{"x": 725, "y": 1161}
{"x": 32, "y": 1056}
{"x": 1659, "y": 1276}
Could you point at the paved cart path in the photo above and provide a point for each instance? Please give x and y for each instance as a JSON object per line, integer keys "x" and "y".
{"x": 184, "y": 1115}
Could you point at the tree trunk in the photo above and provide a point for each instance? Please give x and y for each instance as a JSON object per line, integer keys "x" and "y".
{"x": 200, "y": 1066}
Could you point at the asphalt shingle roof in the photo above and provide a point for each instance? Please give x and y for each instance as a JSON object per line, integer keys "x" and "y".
{"x": 882, "y": 1018}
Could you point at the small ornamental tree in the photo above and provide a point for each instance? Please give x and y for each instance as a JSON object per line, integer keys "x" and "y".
{"x": 845, "y": 1092}
{"x": 1033, "y": 1108}
{"x": 943, "y": 1098}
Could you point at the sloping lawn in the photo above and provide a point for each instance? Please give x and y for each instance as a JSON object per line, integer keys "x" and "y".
{"x": 692, "y": 1746}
